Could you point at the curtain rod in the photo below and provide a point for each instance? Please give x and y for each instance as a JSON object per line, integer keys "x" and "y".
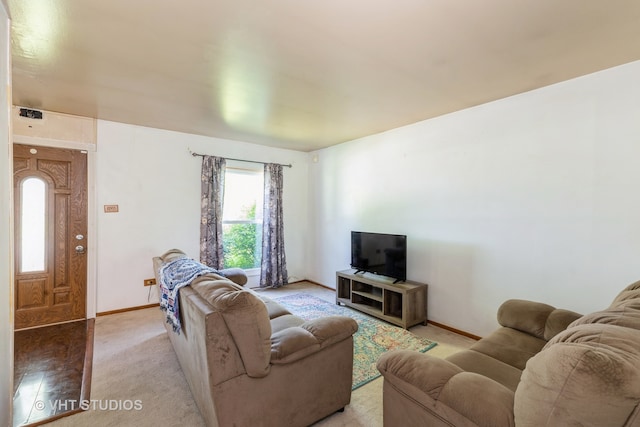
{"x": 240, "y": 160}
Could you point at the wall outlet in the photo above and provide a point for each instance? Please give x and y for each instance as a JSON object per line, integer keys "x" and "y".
{"x": 149, "y": 282}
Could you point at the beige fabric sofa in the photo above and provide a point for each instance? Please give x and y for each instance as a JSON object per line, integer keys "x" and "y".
{"x": 250, "y": 362}
{"x": 543, "y": 367}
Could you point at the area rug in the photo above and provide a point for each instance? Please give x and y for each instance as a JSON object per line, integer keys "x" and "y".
{"x": 373, "y": 338}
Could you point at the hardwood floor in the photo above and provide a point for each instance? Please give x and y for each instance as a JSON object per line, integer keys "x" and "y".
{"x": 52, "y": 371}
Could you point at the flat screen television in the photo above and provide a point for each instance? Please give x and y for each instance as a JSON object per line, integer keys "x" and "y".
{"x": 378, "y": 253}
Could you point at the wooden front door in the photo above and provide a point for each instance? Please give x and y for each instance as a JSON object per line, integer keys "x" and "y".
{"x": 50, "y": 202}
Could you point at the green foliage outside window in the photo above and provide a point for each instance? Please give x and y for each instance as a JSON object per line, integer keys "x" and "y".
{"x": 242, "y": 244}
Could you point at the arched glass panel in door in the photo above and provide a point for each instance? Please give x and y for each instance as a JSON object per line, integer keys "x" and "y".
{"x": 33, "y": 224}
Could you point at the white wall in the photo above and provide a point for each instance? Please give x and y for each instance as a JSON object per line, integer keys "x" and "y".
{"x": 534, "y": 196}
{"x": 6, "y": 245}
{"x": 150, "y": 174}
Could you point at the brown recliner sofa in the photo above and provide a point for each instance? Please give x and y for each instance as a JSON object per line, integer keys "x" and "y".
{"x": 250, "y": 362}
{"x": 542, "y": 367}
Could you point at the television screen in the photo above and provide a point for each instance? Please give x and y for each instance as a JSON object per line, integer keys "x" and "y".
{"x": 384, "y": 254}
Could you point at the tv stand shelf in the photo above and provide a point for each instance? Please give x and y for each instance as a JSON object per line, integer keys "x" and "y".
{"x": 403, "y": 304}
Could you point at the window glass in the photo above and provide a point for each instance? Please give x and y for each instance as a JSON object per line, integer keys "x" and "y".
{"x": 32, "y": 224}
{"x": 242, "y": 195}
{"x": 242, "y": 218}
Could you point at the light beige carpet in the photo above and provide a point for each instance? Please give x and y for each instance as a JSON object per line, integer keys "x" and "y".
{"x": 134, "y": 362}
{"x": 135, "y": 367}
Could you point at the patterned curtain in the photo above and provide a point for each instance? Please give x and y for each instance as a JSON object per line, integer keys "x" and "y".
{"x": 211, "y": 211}
{"x": 273, "y": 268}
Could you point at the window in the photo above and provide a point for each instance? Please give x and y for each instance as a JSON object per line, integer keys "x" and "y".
{"x": 32, "y": 225}
{"x": 242, "y": 218}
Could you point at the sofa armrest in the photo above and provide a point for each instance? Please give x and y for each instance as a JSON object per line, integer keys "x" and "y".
{"x": 236, "y": 275}
{"x": 294, "y": 343}
{"x": 441, "y": 387}
{"x": 535, "y": 318}
{"x": 529, "y": 317}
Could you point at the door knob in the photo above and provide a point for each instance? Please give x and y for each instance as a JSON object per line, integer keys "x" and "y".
{"x": 79, "y": 249}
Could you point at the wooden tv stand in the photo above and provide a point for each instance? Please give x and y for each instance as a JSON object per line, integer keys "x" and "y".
{"x": 403, "y": 304}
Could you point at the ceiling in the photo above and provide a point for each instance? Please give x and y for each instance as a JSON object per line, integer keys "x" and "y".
{"x": 298, "y": 74}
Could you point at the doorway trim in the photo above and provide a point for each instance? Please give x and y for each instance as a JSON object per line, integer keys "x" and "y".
{"x": 92, "y": 256}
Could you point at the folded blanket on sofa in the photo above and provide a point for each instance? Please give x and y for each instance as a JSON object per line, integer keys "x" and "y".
{"x": 173, "y": 276}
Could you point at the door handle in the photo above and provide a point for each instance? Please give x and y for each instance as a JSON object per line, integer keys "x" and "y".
{"x": 79, "y": 249}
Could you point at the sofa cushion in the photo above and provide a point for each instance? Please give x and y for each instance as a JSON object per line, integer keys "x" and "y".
{"x": 209, "y": 286}
{"x": 296, "y": 342}
{"x": 472, "y": 394}
{"x": 286, "y": 321}
{"x": 626, "y": 314}
{"x": 246, "y": 318}
{"x": 510, "y": 346}
{"x": 273, "y": 308}
{"x": 473, "y": 361}
{"x": 558, "y": 320}
{"x": 630, "y": 292}
{"x": 587, "y": 375}
{"x": 291, "y": 344}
